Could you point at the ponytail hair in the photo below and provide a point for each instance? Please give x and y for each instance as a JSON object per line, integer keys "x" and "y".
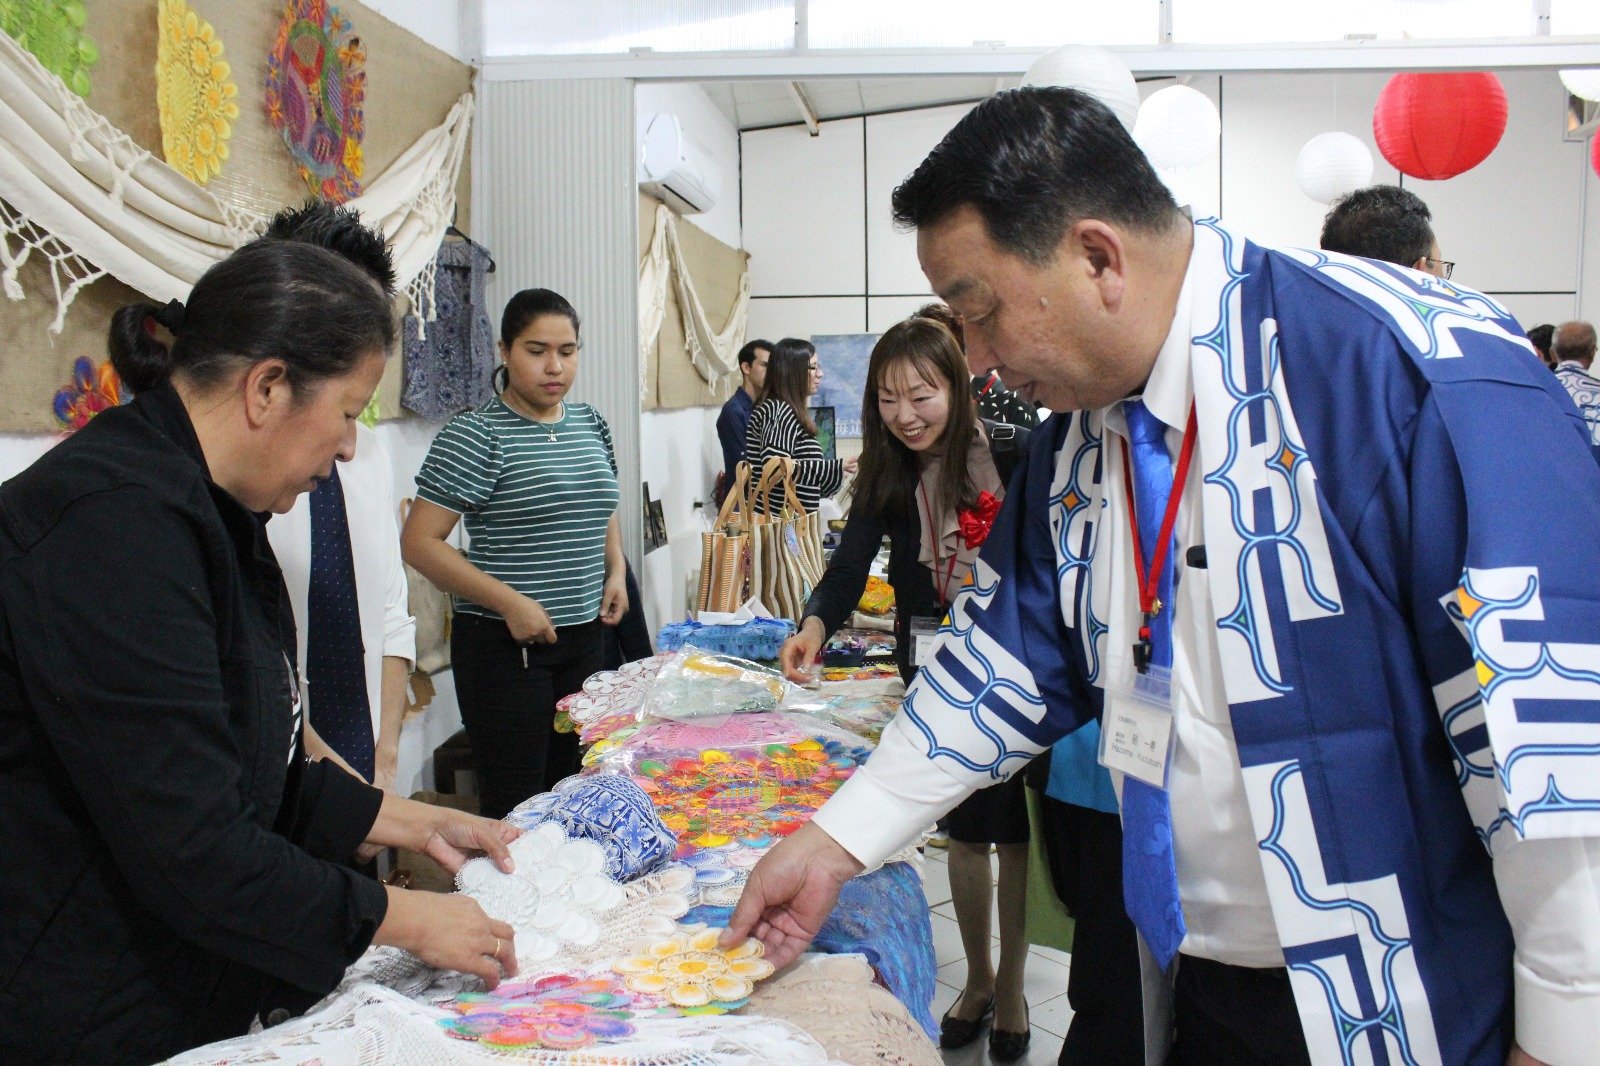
{"x": 140, "y": 359}
{"x": 311, "y": 308}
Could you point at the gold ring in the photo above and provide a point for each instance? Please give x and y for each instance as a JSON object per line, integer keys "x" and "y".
{"x": 496, "y": 954}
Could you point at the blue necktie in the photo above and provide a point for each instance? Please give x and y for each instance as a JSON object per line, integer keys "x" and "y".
{"x": 335, "y": 668}
{"x": 1149, "y": 871}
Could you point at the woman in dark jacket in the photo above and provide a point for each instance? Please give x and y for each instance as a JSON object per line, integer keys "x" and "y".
{"x": 170, "y": 862}
{"x": 932, "y": 477}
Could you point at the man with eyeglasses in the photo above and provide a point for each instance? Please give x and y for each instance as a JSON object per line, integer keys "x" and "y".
{"x": 1387, "y": 223}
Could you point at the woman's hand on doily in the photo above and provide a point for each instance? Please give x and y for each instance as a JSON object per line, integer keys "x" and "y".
{"x": 449, "y": 837}
{"x": 449, "y": 931}
{"x": 456, "y": 837}
{"x": 790, "y": 894}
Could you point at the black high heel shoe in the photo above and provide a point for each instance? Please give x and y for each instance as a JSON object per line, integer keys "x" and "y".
{"x": 1006, "y": 1046}
{"x": 959, "y": 1032}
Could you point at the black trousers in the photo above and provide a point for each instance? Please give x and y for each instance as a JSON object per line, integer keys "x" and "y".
{"x": 508, "y": 695}
{"x": 1234, "y": 1016}
{"x": 1084, "y": 850}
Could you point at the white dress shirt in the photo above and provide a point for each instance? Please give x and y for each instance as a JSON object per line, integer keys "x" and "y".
{"x": 387, "y": 627}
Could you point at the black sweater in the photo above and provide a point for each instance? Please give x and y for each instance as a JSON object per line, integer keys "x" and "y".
{"x": 164, "y": 870}
{"x": 837, "y": 594}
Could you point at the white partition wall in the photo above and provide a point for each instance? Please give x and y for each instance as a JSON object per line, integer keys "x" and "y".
{"x": 1523, "y": 226}
{"x": 554, "y": 199}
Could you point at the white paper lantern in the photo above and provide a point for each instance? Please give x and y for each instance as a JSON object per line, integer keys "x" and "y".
{"x": 1178, "y": 127}
{"x": 1332, "y": 164}
{"x": 1093, "y": 70}
{"x": 1584, "y": 84}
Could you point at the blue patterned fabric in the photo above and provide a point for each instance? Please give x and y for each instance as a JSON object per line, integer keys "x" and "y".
{"x": 336, "y": 671}
{"x": 610, "y": 810}
{"x": 1410, "y": 654}
{"x": 450, "y": 369}
{"x": 884, "y": 916}
{"x": 1584, "y": 388}
{"x": 1149, "y": 867}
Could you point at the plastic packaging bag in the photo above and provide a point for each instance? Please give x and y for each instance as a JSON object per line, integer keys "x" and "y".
{"x": 700, "y": 684}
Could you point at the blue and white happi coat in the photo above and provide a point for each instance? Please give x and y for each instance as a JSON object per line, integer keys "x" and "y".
{"x": 1410, "y": 647}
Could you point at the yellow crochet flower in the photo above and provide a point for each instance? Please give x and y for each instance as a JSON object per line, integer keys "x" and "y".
{"x": 689, "y": 970}
{"x": 195, "y": 94}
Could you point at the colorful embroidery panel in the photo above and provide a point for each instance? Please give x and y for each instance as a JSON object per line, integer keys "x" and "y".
{"x": 316, "y": 83}
{"x": 195, "y": 94}
{"x": 562, "y": 1013}
{"x": 94, "y": 388}
{"x": 53, "y": 31}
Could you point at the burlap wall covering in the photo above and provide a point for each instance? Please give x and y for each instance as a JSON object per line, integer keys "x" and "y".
{"x": 410, "y": 87}
{"x": 669, "y": 379}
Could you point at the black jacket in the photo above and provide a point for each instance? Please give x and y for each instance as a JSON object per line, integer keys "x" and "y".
{"x": 164, "y": 870}
{"x": 837, "y": 594}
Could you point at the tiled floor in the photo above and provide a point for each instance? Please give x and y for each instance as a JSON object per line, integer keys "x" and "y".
{"x": 1045, "y": 984}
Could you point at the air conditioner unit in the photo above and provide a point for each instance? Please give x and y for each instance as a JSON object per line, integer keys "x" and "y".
{"x": 674, "y": 168}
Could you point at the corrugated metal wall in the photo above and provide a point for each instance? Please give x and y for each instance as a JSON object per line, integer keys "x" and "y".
{"x": 555, "y": 200}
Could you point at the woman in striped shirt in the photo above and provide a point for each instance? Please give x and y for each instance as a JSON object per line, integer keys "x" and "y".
{"x": 781, "y": 425}
{"x": 536, "y": 481}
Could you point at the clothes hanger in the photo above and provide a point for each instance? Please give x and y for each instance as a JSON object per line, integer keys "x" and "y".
{"x": 452, "y": 231}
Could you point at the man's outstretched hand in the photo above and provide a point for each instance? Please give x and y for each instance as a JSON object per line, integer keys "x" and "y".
{"x": 791, "y": 892}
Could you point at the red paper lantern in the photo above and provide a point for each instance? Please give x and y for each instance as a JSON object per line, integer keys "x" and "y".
{"x": 1435, "y": 126}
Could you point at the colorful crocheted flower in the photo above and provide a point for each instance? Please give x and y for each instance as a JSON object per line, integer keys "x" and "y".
{"x": 93, "y": 389}
{"x": 689, "y": 970}
{"x": 316, "y": 84}
{"x": 560, "y": 1013}
{"x": 53, "y": 31}
{"x": 195, "y": 94}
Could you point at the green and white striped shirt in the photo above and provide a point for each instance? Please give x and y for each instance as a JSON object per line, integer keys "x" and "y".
{"x": 535, "y": 497}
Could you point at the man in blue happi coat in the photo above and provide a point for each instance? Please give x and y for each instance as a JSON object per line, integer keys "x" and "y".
{"x": 1290, "y": 543}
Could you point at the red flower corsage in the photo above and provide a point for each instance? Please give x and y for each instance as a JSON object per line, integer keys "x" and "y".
{"x": 977, "y": 520}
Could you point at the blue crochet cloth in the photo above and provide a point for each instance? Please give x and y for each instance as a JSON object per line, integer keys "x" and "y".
{"x": 612, "y": 811}
{"x": 884, "y": 916}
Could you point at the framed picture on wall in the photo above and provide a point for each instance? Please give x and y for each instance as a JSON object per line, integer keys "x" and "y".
{"x": 657, "y": 525}
{"x": 827, "y": 431}
{"x": 844, "y": 363}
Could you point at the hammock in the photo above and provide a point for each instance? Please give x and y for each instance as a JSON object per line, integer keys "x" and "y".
{"x": 80, "y": 193}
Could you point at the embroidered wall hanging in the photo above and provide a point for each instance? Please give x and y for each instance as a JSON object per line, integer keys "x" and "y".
{"x": 195, "y": 94}
{"x": 53, "y": 31}
{"x": 93, "y": 388}
{"x": 316, "y": 83}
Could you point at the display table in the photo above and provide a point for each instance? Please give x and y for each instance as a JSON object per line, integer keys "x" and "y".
{"x": 625, "y": 875}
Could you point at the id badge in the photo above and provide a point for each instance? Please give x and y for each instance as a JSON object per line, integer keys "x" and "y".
{"x": 1136, "y": 728}
{"x": 924, "y": 631}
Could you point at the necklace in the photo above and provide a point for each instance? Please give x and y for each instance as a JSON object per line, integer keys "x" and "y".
{"x": 550, "y": 427}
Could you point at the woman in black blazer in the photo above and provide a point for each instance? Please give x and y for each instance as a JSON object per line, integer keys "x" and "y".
{"x": 171, "y": 865}
{"x": 932, "y": 477}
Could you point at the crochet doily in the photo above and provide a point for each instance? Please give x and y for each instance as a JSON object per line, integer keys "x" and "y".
{"x": 53, "y": 31}
{"x": 316, "y": 83}
{"x": 195, "y": 94}
{"x": 369, "y": 1025}
{"x": 610, "y": 810}
{"x": 564, "y": 907}
{"x": 834, "y": 998}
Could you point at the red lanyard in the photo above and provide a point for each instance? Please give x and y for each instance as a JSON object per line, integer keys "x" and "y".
{"x": 933, "y": 539}
{"x": 1150, "y": 580}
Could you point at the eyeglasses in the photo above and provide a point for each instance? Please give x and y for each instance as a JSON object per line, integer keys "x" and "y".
{"x": 815, "y": 368}
{"x": 1446, "y": 265}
